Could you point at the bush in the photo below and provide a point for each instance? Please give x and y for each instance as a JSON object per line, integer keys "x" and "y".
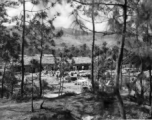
{"x": 16, "y": 96}
{"x": 108, "y": 98}
{"x": 6, "y": 92}
{"x": 59, "y": 115}
{"x": 27, "y": 93}
{"x": 85, "y": 89}
{"x": 96, "y": 85}
{"x": 69, "y": 94}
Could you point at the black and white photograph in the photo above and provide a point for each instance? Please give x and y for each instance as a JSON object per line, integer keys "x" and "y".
{"x": 75, "y": 59}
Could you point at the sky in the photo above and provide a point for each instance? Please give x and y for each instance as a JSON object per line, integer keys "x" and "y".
{"x": 64, "y": 20}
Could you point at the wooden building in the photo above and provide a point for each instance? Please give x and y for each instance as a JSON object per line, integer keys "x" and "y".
{"x": 82, "y": 63}
{"x": 48, "y": 62}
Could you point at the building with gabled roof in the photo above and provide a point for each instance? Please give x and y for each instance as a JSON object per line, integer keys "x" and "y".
{"x": 48, "y": 62}
{"x": 82, "y": 63}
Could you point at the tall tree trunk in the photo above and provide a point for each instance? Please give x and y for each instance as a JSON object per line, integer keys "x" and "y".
{"x": 23, "y": 41}
{"x": 32, "y": 107}
{"x": 60, "y": 87}
{"x": 129, "y": 74}
{"x": 2, "y": 92}
{"x": 111, "y": 71}
{"x": 121, "y": 82}
{"x": 98, "y": 64}
{"x": 141, "y": 82}
{"x": 118, "y": 65}
{"x": 41, "y": 55}
{"x": 12, "y": 84}
{"x": 150, "y": 91}
{"x": 60, "y": 76}
{"x": 93, "y": 41}
{"x": 55, "y": 64}
{"x": 41, "y": 105}
{"x": 12, "y": 89}
{"x": 40, "y": 73}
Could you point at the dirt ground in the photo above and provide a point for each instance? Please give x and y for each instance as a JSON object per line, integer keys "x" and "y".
{"x": 84, "y": 106}
{"x": 80, "y": 106}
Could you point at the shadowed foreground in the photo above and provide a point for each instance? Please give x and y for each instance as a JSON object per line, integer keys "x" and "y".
{"x": 75, "y": 107}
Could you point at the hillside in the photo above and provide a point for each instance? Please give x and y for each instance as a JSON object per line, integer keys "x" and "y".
{"x": 77, "y": 38}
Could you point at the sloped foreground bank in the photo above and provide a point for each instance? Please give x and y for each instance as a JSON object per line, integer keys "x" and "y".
{"x": 78, "y": 107}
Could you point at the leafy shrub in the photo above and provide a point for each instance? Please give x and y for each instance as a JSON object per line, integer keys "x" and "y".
{"x": 16, "y": 96}
{"x": 59, "y": 115}
{"x": 6, "y": 92}
{"x": 69, "y": 94}
{"x": 85, "y": 89}
{"x": 108, "y": 98}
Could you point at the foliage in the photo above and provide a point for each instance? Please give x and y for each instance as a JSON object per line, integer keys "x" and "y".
{"x": 28, "y": 90}
{"x": 105, "y": 61}
{"x": 69, "y": 94}
{"x": 74, "y": 51}
{"x": 10, "y": 79}
{"x": 27, "y": 94}
{"x": 134, "y": 24}
{"x": 16, "y": 96}
{"x": 34, "y": 65}
{"x": 9, "y": 45}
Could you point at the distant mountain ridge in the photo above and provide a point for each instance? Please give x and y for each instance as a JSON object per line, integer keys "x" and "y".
{"x": 78, "y": 38}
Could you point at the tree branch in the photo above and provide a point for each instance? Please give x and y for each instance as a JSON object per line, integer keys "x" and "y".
{"x": 99, "y": 3}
